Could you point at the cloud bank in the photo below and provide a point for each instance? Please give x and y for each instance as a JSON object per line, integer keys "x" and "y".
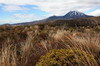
{"x": 95, "y": 13}
{"x": 54, "y": 7}
{"x": 13, "y": 8}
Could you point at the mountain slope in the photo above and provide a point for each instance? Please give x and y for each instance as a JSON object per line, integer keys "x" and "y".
{"x": 75, "y": 14}
{"x": 91, "y": 21}
{"x": 69, "y": 15}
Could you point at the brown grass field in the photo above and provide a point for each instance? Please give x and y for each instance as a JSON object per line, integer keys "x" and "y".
{"x": 24, "y": 45}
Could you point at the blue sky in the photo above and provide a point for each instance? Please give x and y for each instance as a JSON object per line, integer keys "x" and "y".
{"x": 17, "y": 11}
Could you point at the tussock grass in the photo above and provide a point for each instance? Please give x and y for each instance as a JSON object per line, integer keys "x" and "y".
{"x": 24, "y": 45}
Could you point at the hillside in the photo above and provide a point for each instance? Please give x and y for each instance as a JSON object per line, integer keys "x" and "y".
{"x": 92, "y": 21}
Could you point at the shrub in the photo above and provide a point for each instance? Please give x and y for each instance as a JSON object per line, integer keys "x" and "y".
{"x": 66, "y": 57}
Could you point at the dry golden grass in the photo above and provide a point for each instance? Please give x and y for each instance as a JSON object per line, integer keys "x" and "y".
{"x": 28, "y": 45}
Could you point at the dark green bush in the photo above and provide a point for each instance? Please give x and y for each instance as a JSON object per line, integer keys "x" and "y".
{"x": 66, "y": 57}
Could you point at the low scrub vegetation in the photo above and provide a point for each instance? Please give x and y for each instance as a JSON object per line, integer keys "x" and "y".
{"x": 67, "y": 57}
{"x": 24, "y": 45}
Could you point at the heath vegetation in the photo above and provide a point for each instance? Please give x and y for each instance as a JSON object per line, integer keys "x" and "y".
{"x": 49, "y": 45}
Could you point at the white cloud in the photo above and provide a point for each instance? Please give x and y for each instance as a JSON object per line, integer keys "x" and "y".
{"x": 17, "y": 2}
{"x": 27, "y": 17}
{"x": 18, "y": 18}
{"x": 57, "y": 7}
{"x": 95, "y": 13}
{"x": 23, "y": 16}
{"x": 61, "y": 7}
{"x": 11, "y": 21}
{"x": 13, "y": 8}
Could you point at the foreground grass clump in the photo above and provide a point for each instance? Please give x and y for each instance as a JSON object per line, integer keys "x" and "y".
{"x": 66, "y": 57}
